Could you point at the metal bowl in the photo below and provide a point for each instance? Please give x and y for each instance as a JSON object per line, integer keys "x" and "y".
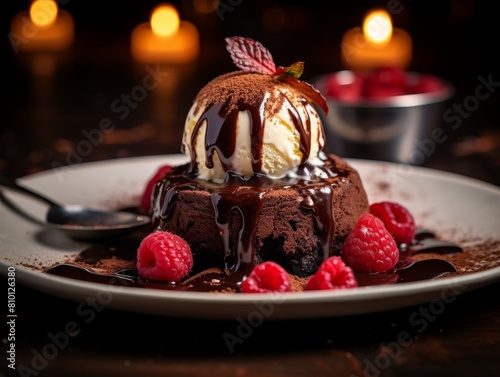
{"x": 404, "y": 128}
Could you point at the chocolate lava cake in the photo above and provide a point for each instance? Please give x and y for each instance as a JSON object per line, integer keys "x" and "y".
{"x": 297, "y": 222}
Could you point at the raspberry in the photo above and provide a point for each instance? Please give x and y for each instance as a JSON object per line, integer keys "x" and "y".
{"x": 267, "y": 277}
{"x": 425, "y": 84}
{"x": 145, "y": 204}
{"x": 397, "y": 220}
{"x": 332, "y": 274}
{"x": 389, "y": 76}
{"x": 383, "y": 92}
{"x": 345, "y": 87}
{"x": 164, "y": 256}
{"x": 370, "y": 247}
{"x": 386, "y": 82}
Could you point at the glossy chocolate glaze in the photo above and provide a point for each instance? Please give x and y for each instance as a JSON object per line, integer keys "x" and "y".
{"x": 407, "y": 269}
{"x": 243, "y": 197}
{"x": 220, "y": 134}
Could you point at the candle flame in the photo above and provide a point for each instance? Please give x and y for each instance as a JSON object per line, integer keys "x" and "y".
{"x": 165, "y": 20}
{"x": 43, "y": 13}
{"x": 377, "y": 27}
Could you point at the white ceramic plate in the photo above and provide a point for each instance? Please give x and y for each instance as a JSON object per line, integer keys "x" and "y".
{"x": 438, "y": 200}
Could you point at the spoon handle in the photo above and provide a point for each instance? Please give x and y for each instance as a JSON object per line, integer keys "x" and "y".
{"x": 9, "y": 183}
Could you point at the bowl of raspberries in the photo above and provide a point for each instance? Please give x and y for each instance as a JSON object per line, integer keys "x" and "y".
{"x": 387, "y": 114}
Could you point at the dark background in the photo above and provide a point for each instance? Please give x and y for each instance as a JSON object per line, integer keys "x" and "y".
{"x": 44, "y": 116}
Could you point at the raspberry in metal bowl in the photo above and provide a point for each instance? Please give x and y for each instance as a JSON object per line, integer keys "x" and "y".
{"x": 389, "y": 114}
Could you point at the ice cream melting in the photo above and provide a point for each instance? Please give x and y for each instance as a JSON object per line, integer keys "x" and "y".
{"x": 248, "y": 123}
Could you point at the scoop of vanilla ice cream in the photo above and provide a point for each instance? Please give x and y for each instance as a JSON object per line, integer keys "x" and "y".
{"x": 290, "y": 130}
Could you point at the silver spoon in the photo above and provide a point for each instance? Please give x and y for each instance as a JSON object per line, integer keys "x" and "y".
{"x": 83, "y": 223}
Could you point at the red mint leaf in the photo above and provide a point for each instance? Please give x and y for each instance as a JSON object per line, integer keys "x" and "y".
{"x": 310, "y": 92}
{"x": 250, "y": 56}
{"x": 295, "y": 70}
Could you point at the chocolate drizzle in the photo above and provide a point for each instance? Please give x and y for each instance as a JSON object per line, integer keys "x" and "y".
{"x": 238, "y": 197}
{"x": 304, "y": 130}
{"x": 266, "y": 96}
{"x": 218, "y": 138}
{"x": 245, "y": 203}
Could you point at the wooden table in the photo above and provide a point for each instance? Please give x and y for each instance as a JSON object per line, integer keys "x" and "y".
{"x": 460, "y": 339}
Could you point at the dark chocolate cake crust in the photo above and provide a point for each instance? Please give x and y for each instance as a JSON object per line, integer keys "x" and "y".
{"x": 287, "y": 223}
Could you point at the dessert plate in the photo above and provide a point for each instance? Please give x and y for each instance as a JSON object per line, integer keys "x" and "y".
{"x": 450, "y": 204}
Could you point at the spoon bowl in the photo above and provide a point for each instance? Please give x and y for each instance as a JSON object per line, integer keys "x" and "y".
{"x": 83, "y": 223}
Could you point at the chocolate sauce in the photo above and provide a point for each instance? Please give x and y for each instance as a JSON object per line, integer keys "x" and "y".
{"x": 241, "y": 197}
{"x": 436, "y": 246}
{"x": 214, "y": 280}
{"x": 85, "y": 274}
{"x": 409, "y": 270}
{"x": 416, "y": 271}
{"x": 221, "y": 122}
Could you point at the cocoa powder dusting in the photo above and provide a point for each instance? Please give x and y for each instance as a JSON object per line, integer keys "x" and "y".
{"x": 104, "y": 265}
{"x": 238, "y": 87}
{"x": 475, "y": 257}
{"x": 298, "y": 283}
